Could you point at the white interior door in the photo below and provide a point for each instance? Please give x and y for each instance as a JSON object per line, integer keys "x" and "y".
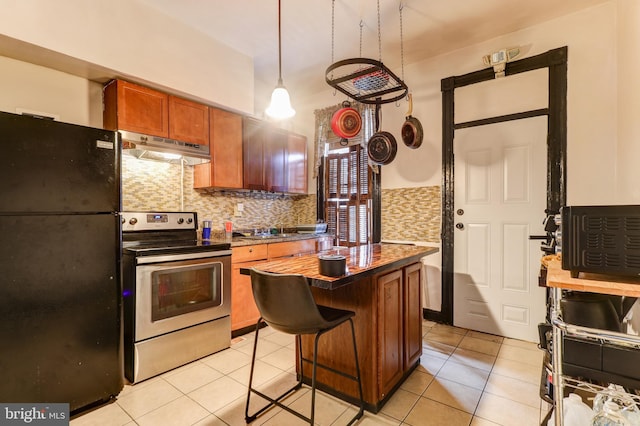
{"x": 500, "y": 197}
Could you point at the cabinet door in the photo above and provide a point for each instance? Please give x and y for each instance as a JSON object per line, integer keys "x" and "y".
{"x": 128, "y": 106}
{"x": 276, "y": 160}
{"x": 244, "y": 312}
{"x": 253, "y": 141}
{"x": 188, "y": 121}
{"x": 291, "y": 248}
{"x": 390, "y": 338}
{"x": 225, "y": 144}
{"x": 296, "y": 164}
{"x": 412, "y": 314}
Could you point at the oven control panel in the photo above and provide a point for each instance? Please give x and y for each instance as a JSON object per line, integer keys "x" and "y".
{"x": 158, "y": 221}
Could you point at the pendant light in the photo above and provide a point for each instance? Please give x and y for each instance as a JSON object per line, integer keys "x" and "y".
{"x": 280, "y": 106}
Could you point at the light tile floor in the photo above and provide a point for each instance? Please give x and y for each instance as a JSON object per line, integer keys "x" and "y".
{"x": 464, "y": 378}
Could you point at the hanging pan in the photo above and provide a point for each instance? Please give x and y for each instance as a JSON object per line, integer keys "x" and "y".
{"x": 346, "y": 122}
{"x": 382, "y": 146}
{"x": 411, "y": 128}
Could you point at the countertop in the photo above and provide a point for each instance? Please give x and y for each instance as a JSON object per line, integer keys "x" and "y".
{"x": 362, "y": 261}
{"x": 594, "y": 283}
{"x": 253, "y": 240}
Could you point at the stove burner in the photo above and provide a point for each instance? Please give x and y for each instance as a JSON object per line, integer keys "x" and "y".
{"x": 150, "y": 233}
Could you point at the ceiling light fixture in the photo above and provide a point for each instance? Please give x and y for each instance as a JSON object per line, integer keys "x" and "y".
{"x": 280, "y": 106}
{"x": 498, "y": 60}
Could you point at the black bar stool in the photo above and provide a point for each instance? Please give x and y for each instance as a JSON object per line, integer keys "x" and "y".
{"x": 286, "y": 304}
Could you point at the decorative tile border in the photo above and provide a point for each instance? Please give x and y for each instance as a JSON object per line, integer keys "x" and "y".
{"x": 153, "y": 185}
{"x": 411, "y": 214}
{"x": 408, "y": 214}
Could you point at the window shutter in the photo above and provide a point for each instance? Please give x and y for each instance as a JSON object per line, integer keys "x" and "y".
{"x": 348, "y": 204}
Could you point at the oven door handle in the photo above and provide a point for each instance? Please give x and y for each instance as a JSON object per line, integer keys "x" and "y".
{"x": 141, "y": 260}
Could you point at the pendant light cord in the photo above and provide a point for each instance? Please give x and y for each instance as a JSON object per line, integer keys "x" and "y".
{"x": 401, "y": 41}
{"x": 379, "y": 36}
{"x": 279, "y": 46}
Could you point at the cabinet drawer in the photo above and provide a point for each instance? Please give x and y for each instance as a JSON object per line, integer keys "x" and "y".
{"x": 290, "y": 248}
{"x": 249, "y": 253}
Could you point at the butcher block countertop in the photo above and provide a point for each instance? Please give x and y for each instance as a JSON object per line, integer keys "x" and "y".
{"x": 361, "y": 261}
{"x": 594, "y": 283}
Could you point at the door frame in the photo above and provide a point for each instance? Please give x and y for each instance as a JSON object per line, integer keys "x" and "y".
{"x": 556, "y": 62}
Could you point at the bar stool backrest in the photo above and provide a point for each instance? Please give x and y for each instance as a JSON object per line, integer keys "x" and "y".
{"x": 286, "y": 303}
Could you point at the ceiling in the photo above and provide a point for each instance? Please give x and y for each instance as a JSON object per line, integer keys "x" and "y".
{"x": 429, "y": 28}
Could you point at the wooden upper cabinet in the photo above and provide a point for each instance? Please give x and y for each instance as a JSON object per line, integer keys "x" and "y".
{"x": 128, "y": 106}
{"x": 296, "y": 164}
{"x": 225, "y": 144}
{"x": 253, "y": 147}
{"x": 188, "y": 121}
{"x": 276, "y": 161}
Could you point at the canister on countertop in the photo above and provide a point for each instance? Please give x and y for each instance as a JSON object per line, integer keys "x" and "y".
{"x": 206, "y": 229}
{"x": 228, "y": 229}
{"x": 332, "y": 265}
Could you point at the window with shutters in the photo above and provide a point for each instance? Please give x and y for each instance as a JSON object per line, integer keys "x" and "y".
{"x": 348, "y": 196}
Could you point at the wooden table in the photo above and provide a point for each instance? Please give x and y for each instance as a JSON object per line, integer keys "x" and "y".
{"x": 594, "y": 283}
{"x": 382, "y": 286}
{"x": 559, "y": 280}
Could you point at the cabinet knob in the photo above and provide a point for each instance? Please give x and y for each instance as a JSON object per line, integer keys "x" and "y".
{"x": 460, "y": 225}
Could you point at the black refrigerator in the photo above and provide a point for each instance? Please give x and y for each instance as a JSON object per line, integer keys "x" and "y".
{"x": 60, "y": 246}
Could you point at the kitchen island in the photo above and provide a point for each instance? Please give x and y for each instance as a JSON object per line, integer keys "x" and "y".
{"x": 382, "y": 285}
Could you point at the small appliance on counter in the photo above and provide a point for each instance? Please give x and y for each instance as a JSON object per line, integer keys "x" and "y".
{"x": 332, "y": 265}
{"x": 601, "y": 239}
{"x": 313, "y": 228}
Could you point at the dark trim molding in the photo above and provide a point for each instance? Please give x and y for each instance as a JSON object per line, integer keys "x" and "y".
{"x": 556, "y": 61}
{"x": 376, "y": 206}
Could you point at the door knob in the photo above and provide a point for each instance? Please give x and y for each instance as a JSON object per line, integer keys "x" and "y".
{"x": 460, "y": 225}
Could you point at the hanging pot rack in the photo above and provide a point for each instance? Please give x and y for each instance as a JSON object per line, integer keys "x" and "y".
{"x": 365, "y": 80}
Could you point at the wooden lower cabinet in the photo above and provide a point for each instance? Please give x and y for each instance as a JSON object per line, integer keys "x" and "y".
{"x": 388, "y": 325}
{"x": 291, "y": 248}
{"x": 244, "y": 312}
{"x": 412, "y": 299}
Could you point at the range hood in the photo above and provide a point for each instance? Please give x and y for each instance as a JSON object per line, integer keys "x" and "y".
{"x": 163, "y": 149}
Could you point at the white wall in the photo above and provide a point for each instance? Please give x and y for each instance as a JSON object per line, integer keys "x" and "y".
{"x": 603, "y": 102}
{"x": 134, "y": 42}
{"x": 43, "y": 90}
{"x": 628, "y": 107}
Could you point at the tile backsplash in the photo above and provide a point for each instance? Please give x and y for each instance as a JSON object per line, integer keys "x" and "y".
{"x": 411, "y": 214}
{"x": 408, "y": 214}
{"x": 153, "y": 185}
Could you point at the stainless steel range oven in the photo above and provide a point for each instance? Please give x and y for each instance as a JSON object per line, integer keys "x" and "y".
{"x": 176, "y": 293}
